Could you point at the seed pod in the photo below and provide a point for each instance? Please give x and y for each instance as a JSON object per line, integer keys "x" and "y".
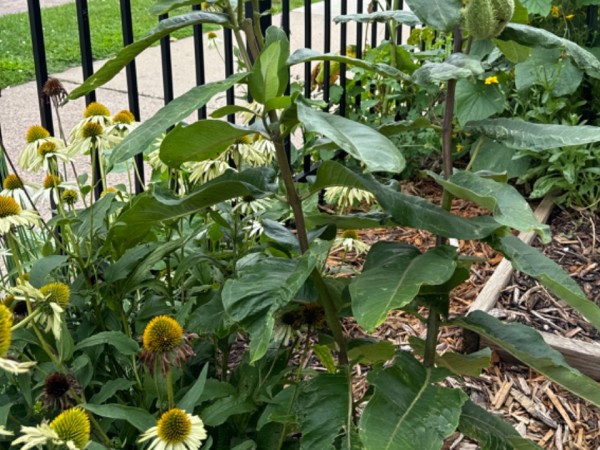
{"x": 479, "y": 19}
{"x": 503, "y": 12}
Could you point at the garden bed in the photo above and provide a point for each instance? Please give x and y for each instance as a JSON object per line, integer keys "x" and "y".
{"x": 538, "y": 408}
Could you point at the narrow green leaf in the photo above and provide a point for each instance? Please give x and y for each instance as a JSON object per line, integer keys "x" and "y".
{"x": 456, "y": 66}
{"x": 110, "y": 388}
{"x": 325, "y": 357}
{"x": 528, "y": 346}
{"x": 407, "y": 411}
{"x": 125, "y": 56}
{"x": 490, "y": 431}
{"x": 306, "y": 55}
{"x": 508, "y": 206}
{"x": 406, "y": 210}
{"x": 221, "y": 410}
{"x": 322, "y": 410}
{"x": 470, "y": 365}
{"x": 362, "y": 142}
{"x": 192, "y": 396}
{"x": 164, "y": 6}
{"x": 43, "y": 267}
{"x": 139, "y": 418}
{"x": 141, "y": 137}
{"x": 523, "y": 135}
{"x": 205, "y": 139}
{"x": 123, "y": 343}
{"x": 270, "y": 76}
{"x": 396, "y": 279}
{"x": 534, "y": 263}
{"x": 399, "y": 16}
{"x": 372, "y": 352}
{"x": 532, "y": 37}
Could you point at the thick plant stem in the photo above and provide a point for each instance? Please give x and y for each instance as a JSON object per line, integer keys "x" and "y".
{"x": 434, "y": 317}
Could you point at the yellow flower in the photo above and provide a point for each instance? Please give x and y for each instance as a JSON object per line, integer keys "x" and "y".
{"x": 491, "y": 80}
{"x": 96, "y": 109}
{"x": 176, "y": 430}
{"x": 162, "y": 334}
{"x": 11, "y": 215}
{"x": 73, "y": 425}
{"x": 569, "y": 16}
{"x": 555, "y": 11}
{"x": 57, "y": 293}
{"x": 5, "y": 326}
{"x": 35, "y": 133}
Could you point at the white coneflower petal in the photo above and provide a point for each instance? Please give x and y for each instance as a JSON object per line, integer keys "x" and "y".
{"x": 32, "y": 437}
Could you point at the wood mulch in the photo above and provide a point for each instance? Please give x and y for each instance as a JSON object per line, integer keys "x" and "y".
{"x": 538, "y": 408}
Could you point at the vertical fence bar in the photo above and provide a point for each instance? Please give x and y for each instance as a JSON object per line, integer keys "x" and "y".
{"x": 199, "y": 59}
{"x": 307, "y": 66}
{"x": 266, "y": 20}
{"x": 359, "y": 44}
{"x": 399, "y": 25}
{"x": 39, "y": 59}
{"x": 167, "y": 66}
{"x": 87, "y": 65}
{"x": 285, "y": 25}
{"x": 327, "y": 49}
{"x": 132, "y": 89}
{"x": 373, "y": 8}
{"x": 343, "y": 44}
{"x": 228, "y": 43}
{"x": 388, "y": 6}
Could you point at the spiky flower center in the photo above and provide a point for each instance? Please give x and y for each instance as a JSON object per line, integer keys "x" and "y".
{"x": 47, "y": 148}
{"x": 56, "y": 385}
{"x": 58, "y": 293}
{"x": 70, "y": 196}
{"x": 211, "y": 34}
{"x": 96, "y": 109}
{"x": 162, "y": 334}
{"x": 12, "y": 182}
{"x": 8, "y": 207}
{"x": 350, "y": 234}
{"x": 8, "y": 300}
{"x": 124, "y": 117}
{"x": 73, "y": 425}
{"x": 91, "y": 130}
{"x": 35, "y": 133}
{"x": 52, "y": 181}
{"x": 109, "y": 190}
{"x": 245, "y": 139}
{"x": 5, "y": 325}
{"x": 174, "y": 426}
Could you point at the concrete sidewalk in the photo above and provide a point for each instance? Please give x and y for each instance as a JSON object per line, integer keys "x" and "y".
{"x": 19, "y": 104}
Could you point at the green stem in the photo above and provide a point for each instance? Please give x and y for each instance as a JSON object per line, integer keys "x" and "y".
{"x": 169, "y": 381}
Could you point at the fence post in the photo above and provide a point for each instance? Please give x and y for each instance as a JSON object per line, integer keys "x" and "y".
{"x": 39, "y": 59}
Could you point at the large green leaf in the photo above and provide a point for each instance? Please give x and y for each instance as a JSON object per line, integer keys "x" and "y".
{"x": 546, "y": 67}
{"x": 476, "y": 101}
{"x": 523, "y": 135}
{"x": 407, "y": 411}
{"x": 490, "y": 431}
{"x": 531, "y": 261}
{"x": 470, "y": 365}
{"x": 322, "y": 409}
{"x": 541, "y": 7}
{"x": 406, "y": 210}
{"x": 205, "y": 139}
{"x": 515, "y": 53}
{"x": 306, "y": 55}
{"x": 496, "y": 157}
{"x": 508, "y": 206}
{"x": 404, "y": 17}
{"x": 164, "y": 6}
{"x": 439, "y": 14}
{"x": 377, "y": 152}
{"x": 125, "y": 56}
{"x": 192, "y": 396}
{"x": 110, "y": 388}
{"x": 528, "y": 346}
{"x": 119, "y": 340}
{"x": 259, "y": 290}
{"x": 270, "y": 76}
{"x": 456, "y": 66}
{"x": 141, "y": 137}
{"x": 155, "y": 206}
{"x": 139, "y": 418}
{"x": 393, "y": 275}
{"x": 531, "y": 36}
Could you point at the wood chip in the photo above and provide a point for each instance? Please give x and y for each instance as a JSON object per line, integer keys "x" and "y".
{"x": 531, "y": 408}
{"x": 502, "y": 394}
{"x": 559, "y": 408}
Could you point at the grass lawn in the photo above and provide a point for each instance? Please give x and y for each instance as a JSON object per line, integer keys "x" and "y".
{"x": 62, "y": 38}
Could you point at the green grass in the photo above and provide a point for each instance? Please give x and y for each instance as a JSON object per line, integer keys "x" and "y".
{"x": 62, "y": 38}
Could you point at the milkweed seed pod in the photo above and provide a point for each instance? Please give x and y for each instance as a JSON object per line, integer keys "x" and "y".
{"x": 479, "y": 19}
{"x": 503, "y": 12}
{"x": 485, "y": 19}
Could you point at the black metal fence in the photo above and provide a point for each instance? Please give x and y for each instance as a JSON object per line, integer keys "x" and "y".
{"x": 41, "y": 69}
